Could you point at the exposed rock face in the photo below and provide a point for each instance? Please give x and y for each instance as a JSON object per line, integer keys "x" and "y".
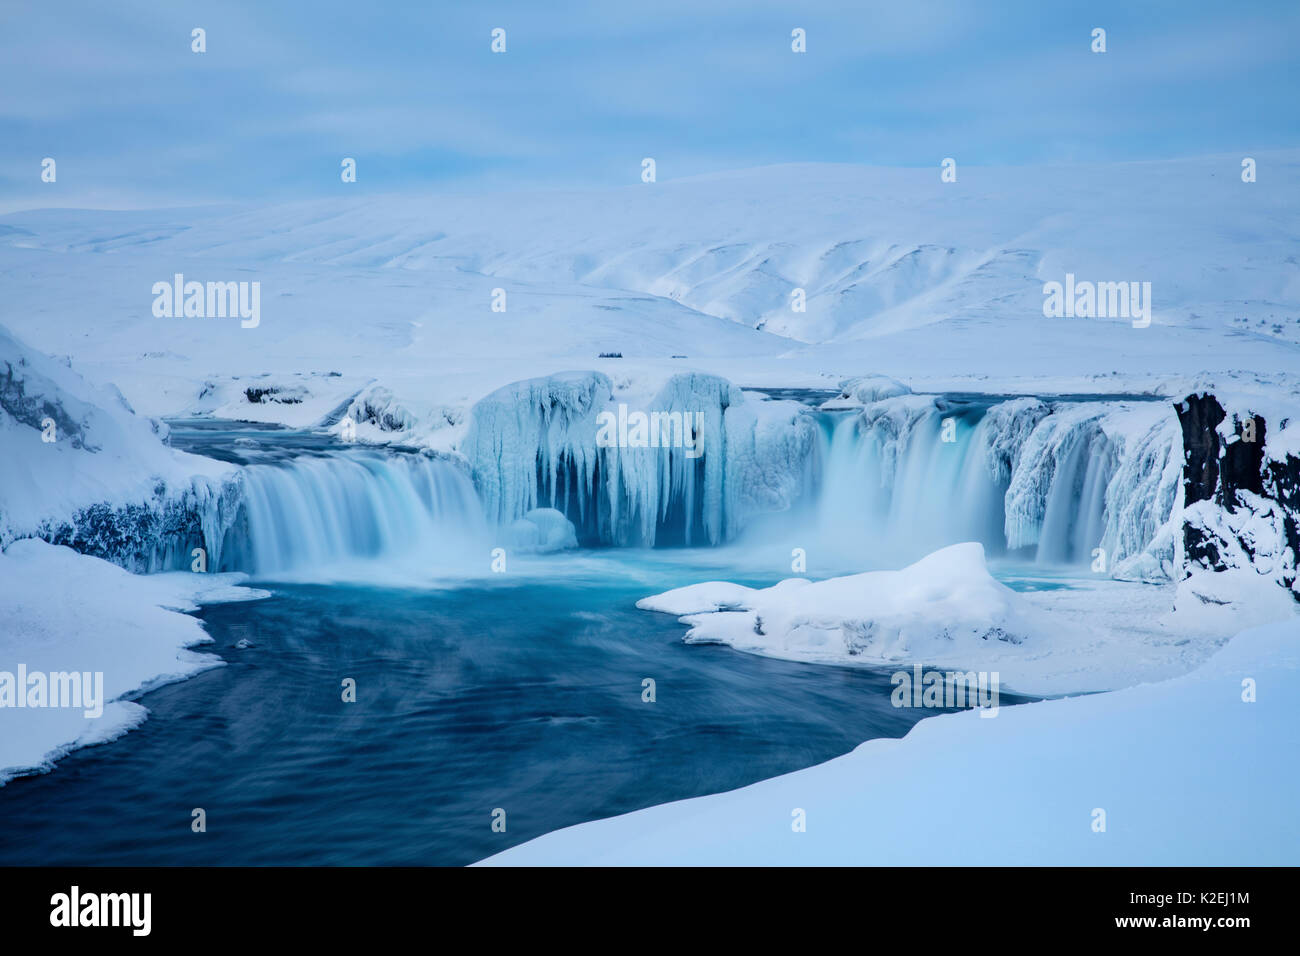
{"x": 1282, "y": 484}
{"x": 1241, "y": 505}
{"x": 1200, "y": 416}
{"x": 33, "y": 409}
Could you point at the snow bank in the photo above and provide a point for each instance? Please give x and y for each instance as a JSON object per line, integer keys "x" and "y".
{"x": 865, "y": 391}
{"x": 65, "y": 612}
{"x": 78, "y": 466}
{"x": 1237, "y": 596}
{"x": 1186, "y": 772}
{"x": 947, "y": 611}
{"x": 945, "y": 608}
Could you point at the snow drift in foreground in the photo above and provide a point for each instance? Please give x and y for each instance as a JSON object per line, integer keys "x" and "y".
{"x": 65, "y": 612}
{"x": 1187, "y": 772}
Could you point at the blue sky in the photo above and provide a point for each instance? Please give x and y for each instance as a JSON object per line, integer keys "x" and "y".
{"x": 286, "y": 89}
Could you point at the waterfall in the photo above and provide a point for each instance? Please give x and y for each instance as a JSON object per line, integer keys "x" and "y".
{"x": 534, "y": 444}
{"x": 907, "y": 475}
{"x": 1074, "y": 513}
{"x": 893, "y": 478}
{"x": 327, "y": 511}
{"x": 895, "y": 487}
{"x": 887, "y": 482}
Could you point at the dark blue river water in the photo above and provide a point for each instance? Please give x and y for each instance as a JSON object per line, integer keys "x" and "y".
{"x": 523, "y": 696}
{"x": 521, "y": 691}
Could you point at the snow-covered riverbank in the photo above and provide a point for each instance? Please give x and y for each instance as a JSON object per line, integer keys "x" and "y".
{"x": 65, "y": 612}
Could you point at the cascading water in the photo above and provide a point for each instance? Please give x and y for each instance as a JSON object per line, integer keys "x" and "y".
{"x": 898, "y": 488}
{"x": 887, "y": 479}
{"x": 1074, "y": 521}
{"x": 327, "y": 511}
{"x": 904, "y": 476}
{"x": 876, "y": 485}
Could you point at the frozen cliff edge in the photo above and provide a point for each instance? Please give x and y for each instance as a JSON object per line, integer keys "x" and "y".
{"x": 79, "y": 467}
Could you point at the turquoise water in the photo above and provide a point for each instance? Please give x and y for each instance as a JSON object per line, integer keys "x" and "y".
{"x": 522, "y": 692}
{"x": 475, "y": 692}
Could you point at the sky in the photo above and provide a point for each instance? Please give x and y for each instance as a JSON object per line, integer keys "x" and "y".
{"x": 413, "y": 92}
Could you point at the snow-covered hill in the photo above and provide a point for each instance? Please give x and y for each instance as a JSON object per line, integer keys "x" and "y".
{"x": 877, "y": 250}
{"x": 937, "y": 283}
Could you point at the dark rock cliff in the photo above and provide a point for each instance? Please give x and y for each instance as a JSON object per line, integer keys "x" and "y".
{"x": 1240, "y": 484}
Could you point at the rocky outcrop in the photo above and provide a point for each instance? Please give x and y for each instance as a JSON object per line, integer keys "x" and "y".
{"x": 1241, "y": 502}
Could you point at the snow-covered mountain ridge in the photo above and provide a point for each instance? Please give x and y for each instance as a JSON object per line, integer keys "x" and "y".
{"x": 938, "y": 284}
{"x": 444, "y": 322}
{"x": 876, "y": 250}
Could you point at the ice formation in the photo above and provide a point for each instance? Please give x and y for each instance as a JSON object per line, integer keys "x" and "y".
{"x": 1055, "y": 480}
{"x": 542, "y": 531}
{"x": 945, "y": 606}
{"x": 534, "y": 443}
